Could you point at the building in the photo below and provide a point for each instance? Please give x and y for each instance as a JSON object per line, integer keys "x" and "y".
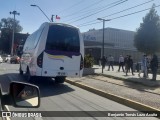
{"x": 116, "y": 42}
{"x": 19, "y": 41}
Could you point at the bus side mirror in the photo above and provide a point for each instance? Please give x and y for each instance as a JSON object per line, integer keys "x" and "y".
{"x": 24, "y": 95}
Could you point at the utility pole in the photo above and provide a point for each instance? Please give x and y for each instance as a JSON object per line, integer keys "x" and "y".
{"x": 103, "y": 36}
{"x": 12, "y": 45}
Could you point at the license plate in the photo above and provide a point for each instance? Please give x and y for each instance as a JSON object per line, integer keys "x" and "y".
{"x": 61, "y": 73}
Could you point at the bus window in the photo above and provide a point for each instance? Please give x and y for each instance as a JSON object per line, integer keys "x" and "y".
{"x": 63, "y": 38}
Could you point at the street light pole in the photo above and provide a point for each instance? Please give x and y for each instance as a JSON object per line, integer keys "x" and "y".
{"x": 103, "y": 36}
{"x": 12, "y": 45}
{"x": 41, "y": 11}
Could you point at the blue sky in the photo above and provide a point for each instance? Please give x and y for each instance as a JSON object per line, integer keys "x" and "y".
{"x": 71, "y": 10}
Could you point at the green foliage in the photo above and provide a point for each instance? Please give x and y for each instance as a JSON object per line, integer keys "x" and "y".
{"x": 147, "y": 37}
{"x": 5, "y": 40}
{"x": 6, "y": 27}
{"x": 88, "y": 61}
{"x": 9, "y": 23}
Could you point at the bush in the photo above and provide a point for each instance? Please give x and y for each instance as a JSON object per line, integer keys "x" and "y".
{"x": 88, "y": 61}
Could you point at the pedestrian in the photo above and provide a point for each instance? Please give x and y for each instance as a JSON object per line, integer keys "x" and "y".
{"x": 99, "y": 61}
{"x": 125, "y": 61}
{"x": 148, "y": 64}
{"x": 143, "y": 66}
{"x": 129, "y": 65}
{"x": 110, "y": 61}
{"x": 121, "y": 63}
{"x": 154, "y": 67}
{"x": 103, "y": 62}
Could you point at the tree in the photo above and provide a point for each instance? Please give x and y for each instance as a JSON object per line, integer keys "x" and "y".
{"x": 147, "y": 37}
{"x": 6, "y": 27}
{"x": 5, "y": 40}
{"x": 9, "y": 23}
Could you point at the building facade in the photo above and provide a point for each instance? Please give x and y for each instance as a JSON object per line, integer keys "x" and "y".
{"x": 116, "y": 42}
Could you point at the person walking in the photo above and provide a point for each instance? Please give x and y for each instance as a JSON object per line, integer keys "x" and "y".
{"x": 121, "y": 63}
{"x": 103, "y": 62}
{"x": 143, "y": 66}
{"x": 99, "y": 61}
{"x": 154, "y": 67}
{"x": 125, "y": 62}
{"x": 129, "y": 65}
{"x": 148, "y": 64}
{"x": 110, "y": 61}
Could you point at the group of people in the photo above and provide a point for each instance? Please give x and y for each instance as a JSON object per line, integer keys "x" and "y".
{"x": 110, "y": 60}
{"x": 126, "y": 63}
{"x": 147, "y": 63}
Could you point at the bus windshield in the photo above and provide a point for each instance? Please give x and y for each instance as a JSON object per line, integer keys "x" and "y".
{"x": 63, "y": 38}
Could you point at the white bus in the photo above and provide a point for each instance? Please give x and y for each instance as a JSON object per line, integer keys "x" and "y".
{"x": 55, "y": 50}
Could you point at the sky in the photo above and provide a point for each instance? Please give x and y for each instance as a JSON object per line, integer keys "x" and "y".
{"x": 77, "y": 12}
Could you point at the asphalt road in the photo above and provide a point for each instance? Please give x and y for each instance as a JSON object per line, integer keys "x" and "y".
{"x": 63, "y": 97}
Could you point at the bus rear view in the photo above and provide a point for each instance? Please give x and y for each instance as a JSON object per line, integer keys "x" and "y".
{"x": 63, "y": 54}
{"x": 55, "y": 50}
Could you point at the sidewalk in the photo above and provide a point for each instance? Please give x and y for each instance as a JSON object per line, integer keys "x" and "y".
{"x": 122, "y": 76}
{"x": 129, "y": 87}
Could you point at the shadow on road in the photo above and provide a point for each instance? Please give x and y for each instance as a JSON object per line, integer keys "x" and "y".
{"x": 142, "y": 84}
{"x": 47, "y": 86}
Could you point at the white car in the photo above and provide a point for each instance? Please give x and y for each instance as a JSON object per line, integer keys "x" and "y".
{"x": 1, "y": 60}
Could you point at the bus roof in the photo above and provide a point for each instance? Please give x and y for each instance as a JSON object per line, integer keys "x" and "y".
{"x": 52, "y": 23}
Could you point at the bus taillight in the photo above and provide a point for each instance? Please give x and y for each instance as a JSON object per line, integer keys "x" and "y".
{"x": 81, "y": 63}
{"x": 40, "y": 60}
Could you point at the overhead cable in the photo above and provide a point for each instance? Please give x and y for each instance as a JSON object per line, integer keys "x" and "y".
{"x": 121, "y": 16}
{"x": 98, "y": 11}
{"x": 119, "y": 12}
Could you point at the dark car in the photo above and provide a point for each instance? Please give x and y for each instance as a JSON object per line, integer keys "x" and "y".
{"x": 15, "y": 59}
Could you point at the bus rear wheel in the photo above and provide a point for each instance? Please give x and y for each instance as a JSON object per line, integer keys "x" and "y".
{"x": 29, "y": 78}
{"x": 20, "y": 71}
{"x": 60, "y": 79}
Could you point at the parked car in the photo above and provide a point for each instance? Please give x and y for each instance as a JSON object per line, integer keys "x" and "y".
{"x": 7, "y": 58}
{"x": 15, "y": 59}
{"x": 1, "y": 60}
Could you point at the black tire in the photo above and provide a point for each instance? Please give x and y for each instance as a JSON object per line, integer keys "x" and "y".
{"x": 60, "y": 79}
{"x": 20, "y": 71}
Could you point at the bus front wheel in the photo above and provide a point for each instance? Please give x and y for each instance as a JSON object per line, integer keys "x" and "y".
{"x": 60, "y": 79}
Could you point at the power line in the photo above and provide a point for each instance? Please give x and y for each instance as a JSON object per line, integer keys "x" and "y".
{"x": 71, "y": 6}
{"x": 133, "y": 13}
{"x": 95, "y": 3}
{"x": 119, "y": 12}
{"x": 99, "y": 11}
{"x": 95, "y": 9}
{"x": 122, "y": 16}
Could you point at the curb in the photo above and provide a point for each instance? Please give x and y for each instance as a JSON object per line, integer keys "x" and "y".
{"x": 128, "y": 80}
{"x": 127, "y": 102}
